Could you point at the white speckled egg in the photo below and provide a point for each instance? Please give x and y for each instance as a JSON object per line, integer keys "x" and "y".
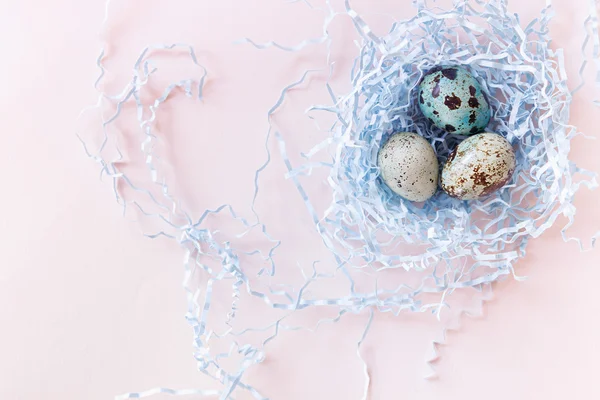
{"x": 478, "y": 166}
{"x": 409, "y": 166}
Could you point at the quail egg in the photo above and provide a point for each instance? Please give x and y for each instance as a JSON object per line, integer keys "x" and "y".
{"x": 452, "y": 99}
{"x": 409, "y": 166}
{"x": 478, "y": 166}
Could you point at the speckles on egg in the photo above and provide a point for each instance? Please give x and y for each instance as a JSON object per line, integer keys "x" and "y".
{"x": 453, "y": 102}
{"x": 409, "y": 166}
{"x": 450, "y": 73}
{"x": 452, "y": 99}
{"x": 478, "y": 166}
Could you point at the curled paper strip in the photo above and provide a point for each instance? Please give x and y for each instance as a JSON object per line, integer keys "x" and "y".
{"x": 440, "y": 246}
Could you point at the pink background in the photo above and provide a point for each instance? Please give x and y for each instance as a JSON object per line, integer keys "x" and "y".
{"x": 91, "y": 309}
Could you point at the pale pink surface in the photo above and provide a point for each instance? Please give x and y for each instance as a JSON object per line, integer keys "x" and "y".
{"x": 91, "y": 309}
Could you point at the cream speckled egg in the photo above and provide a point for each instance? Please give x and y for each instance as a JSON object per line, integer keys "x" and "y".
{"x": 478, "y": 166}
{"x": 409, "y": 166}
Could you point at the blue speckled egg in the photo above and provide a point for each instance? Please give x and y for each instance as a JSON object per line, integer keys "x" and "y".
{"x": 452, "y": 99}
